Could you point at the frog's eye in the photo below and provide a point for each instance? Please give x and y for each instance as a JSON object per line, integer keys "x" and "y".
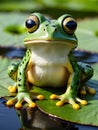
{"x": 32, "y": 23}
{"x": 69, "y": 25}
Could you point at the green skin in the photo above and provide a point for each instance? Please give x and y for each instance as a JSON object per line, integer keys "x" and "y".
{"x": 47, "y": 33}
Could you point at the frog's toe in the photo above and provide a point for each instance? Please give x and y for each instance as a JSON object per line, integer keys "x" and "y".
{"x": 60, "y": 103}
{"x": 75, "y": 106}
{"x": 83, "y": 102}
{"x": 18, "y": 105}
{"x": 12, "y": 89}
{"x": 32, "y": 105}
{"x": 54, "y": 96}
{"x": 9, "y": 103}
{"x": 83, "y": 92}
{"x": 91, "y": 90}
{"x": 40, "y": 97}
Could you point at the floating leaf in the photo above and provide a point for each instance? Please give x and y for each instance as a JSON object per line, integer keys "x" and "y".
{"x": 17, "y": 5}
{"x": 12, "y": 29}
{"x": 80, "y": 5}
{"x": 86, "y": 34}
{"x": 5, "y": 81}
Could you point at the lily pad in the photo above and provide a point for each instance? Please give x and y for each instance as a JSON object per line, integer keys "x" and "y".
{"x": 80, "y": 5}
{"x": 12, "y": 29}
{"x": 5, "y": 81}
{"x": 17, "y": 5}
{"x": 87, "y": 34}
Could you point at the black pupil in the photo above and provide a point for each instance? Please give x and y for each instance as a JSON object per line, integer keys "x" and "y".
{"x": 71, "y": 25}
{"x": 30, "y": 23}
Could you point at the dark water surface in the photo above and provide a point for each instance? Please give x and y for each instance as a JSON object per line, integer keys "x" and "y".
{"x": 83, "y": 56}
{"x": 8, "y": 119}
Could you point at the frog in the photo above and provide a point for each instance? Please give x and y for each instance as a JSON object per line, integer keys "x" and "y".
{"x": 49, "y": 61}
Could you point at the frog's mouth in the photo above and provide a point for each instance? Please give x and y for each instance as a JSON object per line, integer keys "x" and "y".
{"x": 72, "y": 44}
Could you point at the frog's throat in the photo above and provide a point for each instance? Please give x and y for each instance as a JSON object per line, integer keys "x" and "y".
{"x": 73, "y": 44}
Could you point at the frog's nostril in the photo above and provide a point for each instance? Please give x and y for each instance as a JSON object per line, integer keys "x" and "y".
{"x": 44, "y": 29}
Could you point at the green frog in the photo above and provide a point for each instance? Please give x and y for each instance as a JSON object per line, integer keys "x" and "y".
{"x": 49, "y": 62}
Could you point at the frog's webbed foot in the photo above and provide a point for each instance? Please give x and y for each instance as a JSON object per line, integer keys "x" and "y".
{"x": 20, "y": 98}
{"x": 86, "y": 89}
{"x": 67, "y": 99}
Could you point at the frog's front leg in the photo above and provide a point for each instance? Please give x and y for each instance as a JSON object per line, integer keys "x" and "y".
{"x": 22, "y": 85}
{"x": 70, "y": 96}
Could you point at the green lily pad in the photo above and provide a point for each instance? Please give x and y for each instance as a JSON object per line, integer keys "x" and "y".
{"x": 18, "y": 5}
{"x": 5, "y": 81}
{"x": 12, "y": 29}
{"x": 87, "y": 34}
{"x": 76, "y": 5}
{"x": 73, "y": 4}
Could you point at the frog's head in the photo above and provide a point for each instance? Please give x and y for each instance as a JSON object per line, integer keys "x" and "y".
{"x": 44, "y": 30}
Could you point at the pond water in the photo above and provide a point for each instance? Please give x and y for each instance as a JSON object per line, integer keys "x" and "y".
{"x": 9, "y": 121}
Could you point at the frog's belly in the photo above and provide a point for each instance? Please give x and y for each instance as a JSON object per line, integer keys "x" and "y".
{"x": 48, "y": 65}
{"x": 55, "y": 76}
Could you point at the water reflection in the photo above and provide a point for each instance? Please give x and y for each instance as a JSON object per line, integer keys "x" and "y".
{"x": 36, "y": 120}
